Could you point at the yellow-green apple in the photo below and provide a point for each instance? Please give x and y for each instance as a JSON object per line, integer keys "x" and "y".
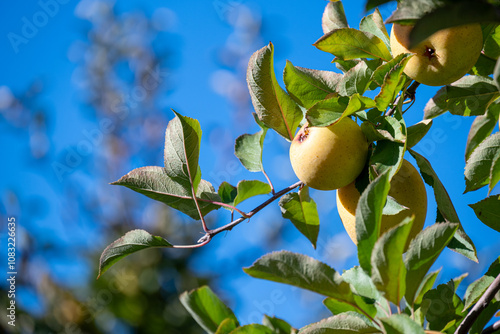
{"x": 407, "y": 188}
{"x": 331, "y": 157}
{"x": 442, "y": 58}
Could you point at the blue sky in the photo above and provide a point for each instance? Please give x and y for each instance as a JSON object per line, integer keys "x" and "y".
{"x": 199, "y": 30}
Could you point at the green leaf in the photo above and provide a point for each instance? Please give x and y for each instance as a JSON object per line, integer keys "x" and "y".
{"x": 491, "y": 37}
{"x": 388, "y": 270}
{"x": 253, "y": 329}
{"x": 182, "y": 150}
{"x": 393, "y": 83}
{"x": 349, "y": 43}
{"x": 468, "y": 96}
{"x": 477, "y": 288}
{"x": 358, "y": 305}
{"x": 333, "y": 17}
{"x": 368, "y": 218}
{"x": 422, "y": 253}
{"x": 417, "y": 131}
{"x": 131, "y": 242}
{"x": 392, "y": 207}
{"x": 374, "y": 24}
{"x": 387, "y": 157}
{"x": 301, "y": 271}
{"x": 206, "y": 308}
{"x": 480, "y": 166}
{"x": 401, "y": 324}
{"x": 459, "y": 279}
{"x": 248, "y": 148}
{"x": 384, "y": 69}
{"x": 154, "y": 182}
{"x": 346, "y": 65}
{"x": 484, "y": 66}
{"x": 274, "y": 107}
{"x": 227, "y": 326}
{"x": 362, "y": 285}
{"x": 345, "y": 323}
{"x": 461, "y": 243}
{"x": 482, "y": 127}
{"x": 488, "y": 211}
{"x": 356, "y": 80}
{"x": 443, "y": 308}
{"x": 410, "y": 10}
{"x": 250, "y": 188}
{"x": 427, "y": 284}
{"x": 307, "y": 86}
{"x": 327, "y": 112}
{"x": 227, "y": 193}
{"x": 451, "y": 15}
{"x": 278, "y": 326}
{"x": 302, "y": 212}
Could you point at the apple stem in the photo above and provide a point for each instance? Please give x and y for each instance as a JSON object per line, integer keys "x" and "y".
{"x": 409, "y": 94}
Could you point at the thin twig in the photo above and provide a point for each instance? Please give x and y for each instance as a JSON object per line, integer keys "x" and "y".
{"x": 268, "y": 181}
{"x": 193, "y": 246}
{"x": 224, "y": 205}
{"x": 492, "y": 329}
{"x": 210, "y": 233}
{"x": 481, "y": 304}
{"x": 409, "y": 94}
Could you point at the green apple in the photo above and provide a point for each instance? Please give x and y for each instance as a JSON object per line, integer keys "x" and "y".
{"x": 328, "y": 158}
{"x": 444, "y": 57}
{"x": 407, "y": 188}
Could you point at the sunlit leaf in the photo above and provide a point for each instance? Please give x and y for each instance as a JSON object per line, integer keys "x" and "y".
{"x": 333, "y": 17}
{"x": 206, "y": 308}
{"x": 345, "y": 323}
{"x": 307, "y": 86}
{"x": 481, "y": 128}
{"x": 133, "y": 241}
{"x": 356, "y": 80}
{"x": 374, "y": 24}
{"x": 182, "y": 150}
{"x": 248, "y": 148}
{"x": 368, "y": 218}
{"x": 325, "y": 113}
{"x": 426, "y": 285}
{"x": 417, "y": 131}
{"x": 392, "y": 85}
{"x": 278, "y": 326}
{"x": 468, "y": 96}
{"x": 250, "y": 188}
{"x": 388, "y": 270}
{"x": 423, "y": 251}
{"x": 301, "y": 271}
{"x": 488, "y": 211}
{"x": 349, "y": 43}
{"x": 154, "y": 182}
{"x": 253, "y": 329}
{"x": 301, "y": 209}
{"x": 401, "y": 324}
{"x": 227, "y": 326}
{"x": 272, "y": 104}
{"x": 483, "y": 164}
{"x": 461, "y": 242}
